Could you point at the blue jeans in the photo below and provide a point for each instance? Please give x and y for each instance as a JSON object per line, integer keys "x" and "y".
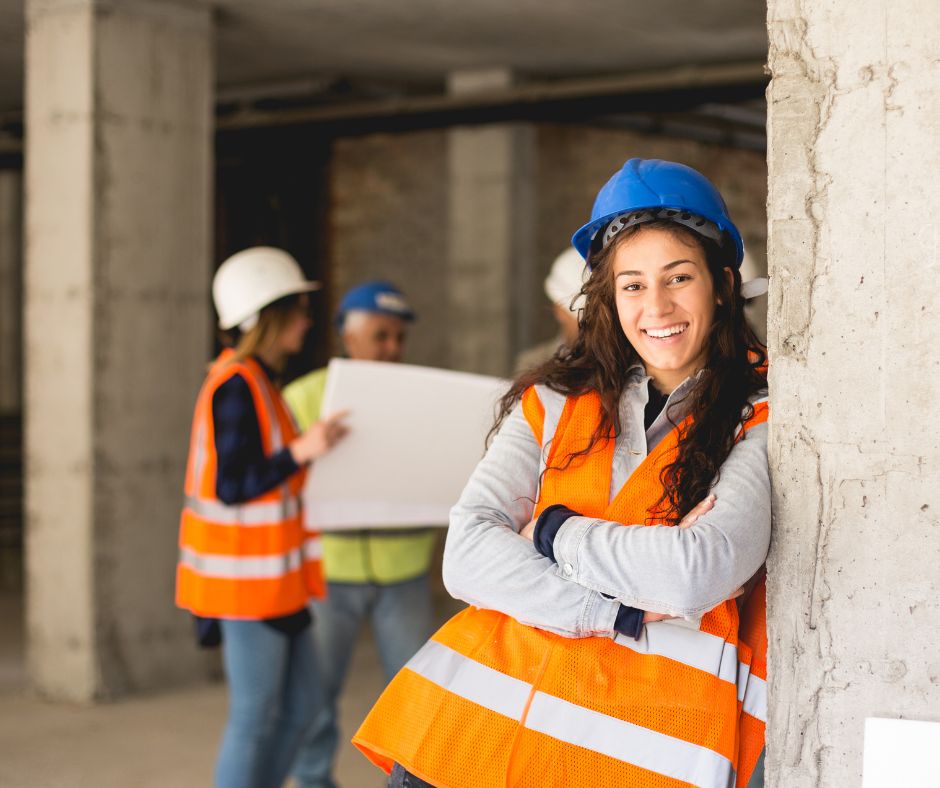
{"x": 274, "y": 694}
{"x": 401, "y": 622}
{"x": 401, "y": 778}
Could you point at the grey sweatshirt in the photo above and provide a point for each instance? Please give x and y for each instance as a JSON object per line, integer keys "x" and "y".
{"x": 678, "y": 571}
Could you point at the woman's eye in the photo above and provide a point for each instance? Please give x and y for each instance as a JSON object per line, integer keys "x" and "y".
{"x": 679, "y": 278}
{"x": 632, "y": 287}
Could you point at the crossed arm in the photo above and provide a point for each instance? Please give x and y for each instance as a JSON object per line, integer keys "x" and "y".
{"x": 674, "y": 571}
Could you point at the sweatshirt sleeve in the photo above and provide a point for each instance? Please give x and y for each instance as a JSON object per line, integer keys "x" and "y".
{"x": 487, "y": 563}
{"x": 683, "y": 572}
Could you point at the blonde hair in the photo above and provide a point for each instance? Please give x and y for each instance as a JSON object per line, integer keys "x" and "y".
{"x": 272, "y": 321}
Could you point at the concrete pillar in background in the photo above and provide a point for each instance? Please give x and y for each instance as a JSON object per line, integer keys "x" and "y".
{"x": 118, "y": 182}
{"x": 854, "y": 618}
{"x": 493, "y": 286}
{"x": 11, "y": 291}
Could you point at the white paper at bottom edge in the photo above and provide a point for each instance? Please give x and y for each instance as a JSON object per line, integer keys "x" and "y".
{"x": 901, "y": 754}
{"x": 343, "y": 515}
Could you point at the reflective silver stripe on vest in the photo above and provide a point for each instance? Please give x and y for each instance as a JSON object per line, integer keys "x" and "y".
{"x": 262, "y": 513}
{"x": 755, "y": 698}
{"x": 699, "y": 650}
{"x": 199, "y": 457}
{"x": 743, "y": 672}
{"x": 470, "y": 680}
{"x": 313, "y": 548}
{"x": 627, "y": 742}
{"x": 241, "y": 567}
{"x": 277, "y": 441}
{"x": 569, "y": 722}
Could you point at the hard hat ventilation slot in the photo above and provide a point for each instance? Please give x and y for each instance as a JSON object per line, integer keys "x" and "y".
{"x": 699, "y": 224}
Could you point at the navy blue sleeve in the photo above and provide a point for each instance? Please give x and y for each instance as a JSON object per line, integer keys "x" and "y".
{"x": 629, "y": 620}
{"x": 547, "y": 527}
{"x": 244, "y": 472}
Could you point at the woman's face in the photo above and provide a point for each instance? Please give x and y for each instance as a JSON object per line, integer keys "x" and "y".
{"x": 666, "y": 302}
{"x": 291, "y": 338}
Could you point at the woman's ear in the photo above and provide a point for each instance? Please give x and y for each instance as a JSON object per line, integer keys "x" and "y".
{"x": 729, "y": 275}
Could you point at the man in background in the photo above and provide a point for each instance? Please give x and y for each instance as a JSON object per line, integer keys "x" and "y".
{"x": 563, "y": 288}
{"x": 379, "y": 573}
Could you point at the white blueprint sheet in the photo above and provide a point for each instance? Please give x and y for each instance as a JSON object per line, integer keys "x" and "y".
{"x": 416, "y": 434}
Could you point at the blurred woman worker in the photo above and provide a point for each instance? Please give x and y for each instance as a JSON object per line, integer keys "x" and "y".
{"x": 245, "y": 559}
{"x": 603, "y": 646}
{"x": 563, "y": 288}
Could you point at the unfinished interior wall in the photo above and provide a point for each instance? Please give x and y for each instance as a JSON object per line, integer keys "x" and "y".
{"x": 397, "y": 187}
{"x": 119, "y": 133}
{"x": 388, "y": 221}
{"x": 854, "y": 119}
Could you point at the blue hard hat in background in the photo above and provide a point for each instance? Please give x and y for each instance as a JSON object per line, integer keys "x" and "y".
{"x": 653, "y": 183}
{"x": 377, "y": 296}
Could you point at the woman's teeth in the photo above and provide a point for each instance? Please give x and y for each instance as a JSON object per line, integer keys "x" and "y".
{"x": 662, "y": 333}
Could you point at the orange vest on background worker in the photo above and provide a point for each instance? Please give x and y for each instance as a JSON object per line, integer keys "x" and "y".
{"x": 251, "y": 560}
{"x": 491, "y": 702}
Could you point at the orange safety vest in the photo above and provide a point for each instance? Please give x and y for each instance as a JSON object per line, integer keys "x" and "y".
{"x": 252, "y": 560}
{"x": 491, "y": 702}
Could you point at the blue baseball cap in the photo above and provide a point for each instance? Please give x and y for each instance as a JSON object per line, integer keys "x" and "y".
{"x": 377, "y": 296}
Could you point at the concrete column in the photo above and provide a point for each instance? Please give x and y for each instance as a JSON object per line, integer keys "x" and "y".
{"x": 854, "y": 118}
{"x": 492, "y": 280}
{"x": 118, "y": 178}
{"x": 11, "y": 291}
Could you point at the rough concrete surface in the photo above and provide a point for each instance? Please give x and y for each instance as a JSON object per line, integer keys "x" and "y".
{"x": 119, "y": 132}
{"x": 854, "y": 618}
{"x": 489, "y": 234}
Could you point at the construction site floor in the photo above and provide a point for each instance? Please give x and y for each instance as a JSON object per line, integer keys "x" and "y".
{"x": 165, "y": 740}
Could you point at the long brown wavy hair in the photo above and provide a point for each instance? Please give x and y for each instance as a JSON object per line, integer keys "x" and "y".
{"x": 601, "y": 358}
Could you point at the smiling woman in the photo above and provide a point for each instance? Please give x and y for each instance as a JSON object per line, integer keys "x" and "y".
{"x": 665, "y": 300}
{"x": 616, "y": 629}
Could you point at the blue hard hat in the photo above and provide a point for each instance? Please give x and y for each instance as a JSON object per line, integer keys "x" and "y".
{"x": 377, "y": 296}
{"x": 665, "y": 186}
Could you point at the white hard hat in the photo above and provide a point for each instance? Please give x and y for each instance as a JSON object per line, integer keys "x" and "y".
{"x": 752, "y": 286}
{"x": 253, "y": 278}
{"x": 566, "y": 278}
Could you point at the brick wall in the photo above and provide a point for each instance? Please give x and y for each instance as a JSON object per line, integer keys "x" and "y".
{"x": 389, "y": 211}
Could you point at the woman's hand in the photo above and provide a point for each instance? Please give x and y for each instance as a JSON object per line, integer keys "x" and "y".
{"x": 701, "y": 508}
{"x": 688, "y": 521}
{"x": 528, "y": 530}
{"x": 319, "y": 438}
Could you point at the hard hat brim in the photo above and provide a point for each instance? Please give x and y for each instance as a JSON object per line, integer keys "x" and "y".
{"x": 581, "y": 240}
{"x": 305, "y": 287}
